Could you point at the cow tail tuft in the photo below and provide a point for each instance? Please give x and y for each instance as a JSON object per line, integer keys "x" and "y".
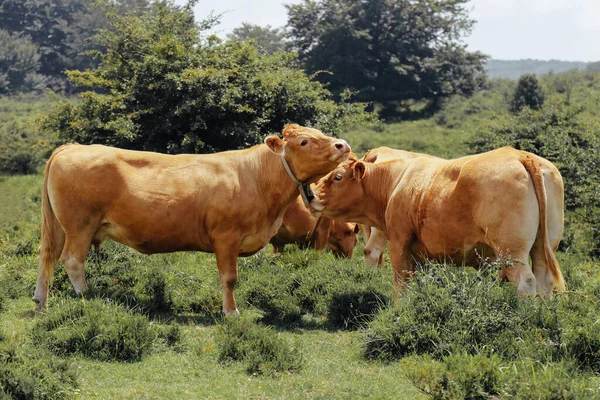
{"x": 52, "y": 235}
{"x": 535, "y": 171}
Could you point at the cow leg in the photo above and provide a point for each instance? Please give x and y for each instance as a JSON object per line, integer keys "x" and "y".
{"x": 401, "y": 264}
{"x": 73, "y": 257}
{"x": 518, "y": 271}
{"x": 373, "y": 250}
{"x": 543, "y": 276}
{"x": 227, "y": 257}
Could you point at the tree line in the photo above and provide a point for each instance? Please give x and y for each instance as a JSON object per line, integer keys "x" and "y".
{"x": 387, "y": 52}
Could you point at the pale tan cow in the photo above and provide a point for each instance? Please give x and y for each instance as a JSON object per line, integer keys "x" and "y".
{"x": 229, "y": 203}
{"x": 375, "y": 240}
{"x": 504, "y": 203}
{"x": 300, "y": 227}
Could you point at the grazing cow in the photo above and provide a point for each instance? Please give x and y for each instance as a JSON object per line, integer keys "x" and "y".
{"x": 504, "y": 203}
{"x": 300, "y": 227}
{"x": 375, "y": 240}
{"x": 229, "y": 203}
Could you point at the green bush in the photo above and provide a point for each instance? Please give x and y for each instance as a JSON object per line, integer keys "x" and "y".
{"x": 288, "y": 287}
{"x": 463, "y": 376}
{"x": 353, "y": 309}
{"x": 27, "y": 374}
{"x": 459, "y": 376}
{"x": 447, "y": 309}
{"x": 94, "y": 329}
{"x": 263, "y": 350}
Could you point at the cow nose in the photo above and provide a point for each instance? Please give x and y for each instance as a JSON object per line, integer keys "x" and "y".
{"x": 342, "y": 146}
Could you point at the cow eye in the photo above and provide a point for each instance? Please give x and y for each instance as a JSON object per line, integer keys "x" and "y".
{"x": 337, "y": 178}
{"x": 304, "y": 142}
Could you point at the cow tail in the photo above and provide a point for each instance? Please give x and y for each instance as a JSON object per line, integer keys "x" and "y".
{"x": 535, "y": 171}
{"x": 52, "y": 235}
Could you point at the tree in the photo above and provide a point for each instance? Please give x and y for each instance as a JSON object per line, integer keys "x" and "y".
{"x": 19, "y": 63}
{"x": 161, "y": 87}
{"x": 388, "y": 50}
{"x": 527, "y": 93}
{"x": 269, "y": 40}
{"x": 61, "y": 30}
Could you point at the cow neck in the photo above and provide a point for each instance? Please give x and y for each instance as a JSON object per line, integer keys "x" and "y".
{"x": 378, "y": 185}
{"x": 303, "y": 187}
{"x": 275, "y": 179}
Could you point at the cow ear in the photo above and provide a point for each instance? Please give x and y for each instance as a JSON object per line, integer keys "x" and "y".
{"x": 356, "y": 228}
{"x": 274, "y": 143}
{"x": 359, "y": 170}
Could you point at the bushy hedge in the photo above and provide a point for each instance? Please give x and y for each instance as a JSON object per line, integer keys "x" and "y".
{"x": 260, "y": 347}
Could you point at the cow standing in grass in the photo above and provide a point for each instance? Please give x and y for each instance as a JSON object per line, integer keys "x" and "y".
{"x": 504, "y": 203}
{"x": 229, "y": 203}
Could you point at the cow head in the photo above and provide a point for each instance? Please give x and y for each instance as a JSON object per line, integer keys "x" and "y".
{"x": 342, "y": 238}
{"x": 309, "y": 153}
{"x": 339, "y": 193}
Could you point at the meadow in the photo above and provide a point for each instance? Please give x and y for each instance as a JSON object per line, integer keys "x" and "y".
{"x": 312, "y": 326}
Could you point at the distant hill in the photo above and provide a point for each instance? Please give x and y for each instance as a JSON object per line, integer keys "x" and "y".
{"x": 512, "y": 69}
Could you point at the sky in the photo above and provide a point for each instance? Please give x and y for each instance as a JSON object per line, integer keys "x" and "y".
{"x": 567, "y": 30}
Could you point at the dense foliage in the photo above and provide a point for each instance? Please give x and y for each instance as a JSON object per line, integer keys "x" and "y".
{"x": 388, "y": 50}
{"x": 161, "y": 87}
{"x": 46, "y": 38}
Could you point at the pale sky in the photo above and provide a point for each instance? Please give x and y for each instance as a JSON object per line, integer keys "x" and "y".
{"x": 567, "y": 30}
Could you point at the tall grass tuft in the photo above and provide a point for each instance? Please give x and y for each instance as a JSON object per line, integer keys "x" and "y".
{"x": 95, "y": 329}
{"x": 29, "y": 374}
{"x": 260, "y": 347}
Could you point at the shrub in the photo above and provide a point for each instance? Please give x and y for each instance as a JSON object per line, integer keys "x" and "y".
{"x": 94, "y": 329}
{"x": 263, "y": 350}
{"x": 459, "y": 376}
{"x": 528, "y": 93}
{"x": 463, "y": 376}
{"x": 33, "y": 375}
{"x": 290, "y": 286}
{"x": 582, "y": 342}
{"x": 355, "y": 308}
{"x": 447, "y": 309}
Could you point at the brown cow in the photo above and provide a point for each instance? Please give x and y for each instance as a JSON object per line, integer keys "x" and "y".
{"x": 504, "y": 203}
{"x": 229, "y": 203}
{"x": 300, "y": 227}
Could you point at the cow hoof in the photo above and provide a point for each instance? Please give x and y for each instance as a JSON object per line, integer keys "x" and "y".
{"x": 235, "y": 313}
{"x": 39, "y": 305}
